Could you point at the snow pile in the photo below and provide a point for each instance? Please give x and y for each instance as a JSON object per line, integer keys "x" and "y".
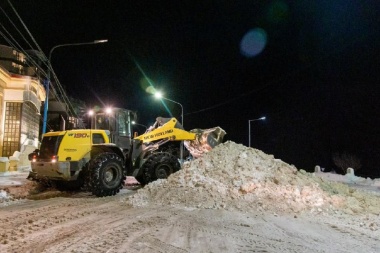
{"x": 236, "y": 177}
{"x": 15, "y": 188}
{"x": 5, "y": 197}
{"x": 350, "y": 178}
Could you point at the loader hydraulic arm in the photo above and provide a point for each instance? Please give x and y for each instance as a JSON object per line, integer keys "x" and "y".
{"x": 169, "y": 129}
{"x": 197, "y": 141}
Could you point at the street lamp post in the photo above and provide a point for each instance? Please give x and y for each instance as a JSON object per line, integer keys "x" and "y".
{"x": 249, "y": 129}
{"x": 91, "y": 114}
{"x": 137, "y": 124}
{"x": 47, "y": 84}
{"x": 159, "y": 95}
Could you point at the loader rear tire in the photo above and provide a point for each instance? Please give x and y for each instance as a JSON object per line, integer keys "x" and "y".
{"x": 158, "y": 166}
{"x": 106, "y": 175}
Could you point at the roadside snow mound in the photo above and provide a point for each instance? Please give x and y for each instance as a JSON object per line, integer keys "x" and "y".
{"x": 5, "y": 198}
{"x": 235, "y": 177}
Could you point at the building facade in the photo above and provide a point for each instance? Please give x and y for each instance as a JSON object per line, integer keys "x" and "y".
{"x": 21, "y": 94}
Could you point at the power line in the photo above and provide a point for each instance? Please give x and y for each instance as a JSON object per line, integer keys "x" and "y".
{"x": 14, "y": 25}
{"x": 60, "y": 95}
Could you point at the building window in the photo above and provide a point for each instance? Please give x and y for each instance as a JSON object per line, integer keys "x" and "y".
{"x": 30, "y": 121}
{"x": 1, "y": 105}
{"x": 19, "y": 56}
{"x": 33, "y": 89}
{"x": 12, "y": 128}
{"x": 73, "y": 122}
{"x": 1, "y": 118}
{"x": 18, "y": 68}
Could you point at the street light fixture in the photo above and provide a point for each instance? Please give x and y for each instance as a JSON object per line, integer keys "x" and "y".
{"x": 91, "y": 114}
{"x": 108, "y": 110}
{"x": 249, "y": 129}
{"x": 47, "y": 84}
{"x": 137, "y": 124}
{"x": 159, "y": 95}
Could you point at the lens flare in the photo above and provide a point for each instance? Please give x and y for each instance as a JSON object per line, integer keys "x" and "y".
{"x": 253, "y": 42}
{"x": 147, "y": 85}
{"x": 150, "y": 90}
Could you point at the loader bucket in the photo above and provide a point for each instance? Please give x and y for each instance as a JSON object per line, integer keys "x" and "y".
{"x": 206, "y": 139}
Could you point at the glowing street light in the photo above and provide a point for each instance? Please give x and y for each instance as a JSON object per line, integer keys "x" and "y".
{"x": 159, "y": 96}
{"x": 137, "y": 124}
{"x": 108, "y": 110}
{"x": 90, "y": 115}
{"x": 249, "y": 129}
{"x": 47, "y": 85}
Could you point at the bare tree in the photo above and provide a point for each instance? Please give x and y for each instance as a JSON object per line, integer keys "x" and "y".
{"x": 345, "y": 161}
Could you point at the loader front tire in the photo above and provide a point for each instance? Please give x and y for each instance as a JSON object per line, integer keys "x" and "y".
{"x": 106, "y": 175}
{"x": 158, "y": 166}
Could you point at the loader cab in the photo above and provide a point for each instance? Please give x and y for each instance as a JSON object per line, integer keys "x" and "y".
{"x": 119, "y": 122}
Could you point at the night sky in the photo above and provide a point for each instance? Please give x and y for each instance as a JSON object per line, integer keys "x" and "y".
{"x": 311, "y": 67}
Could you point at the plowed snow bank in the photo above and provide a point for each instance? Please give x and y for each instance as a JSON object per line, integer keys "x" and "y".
{"x": 235, "y": 177}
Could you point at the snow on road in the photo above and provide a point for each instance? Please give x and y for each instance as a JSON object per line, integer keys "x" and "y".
{"x": 234, "y": 199}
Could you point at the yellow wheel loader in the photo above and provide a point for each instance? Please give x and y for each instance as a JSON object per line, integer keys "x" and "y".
{"x": 99, "y": 159}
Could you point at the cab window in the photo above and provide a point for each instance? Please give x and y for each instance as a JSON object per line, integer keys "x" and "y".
{"x": 97, "y": 139}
